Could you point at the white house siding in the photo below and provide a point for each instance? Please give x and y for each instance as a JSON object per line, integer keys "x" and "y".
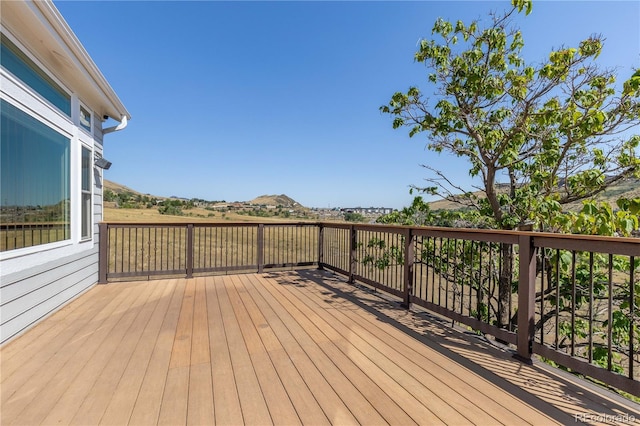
{"x": 36, "y": 281}
{"x": 32, "y": 294}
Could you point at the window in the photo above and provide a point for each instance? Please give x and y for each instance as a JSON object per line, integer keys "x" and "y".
{"x": 85, "y": 119}
{"x": 18, "y": 64}
{"x": 34, "y": 181}
{"x": 86, "y": 193}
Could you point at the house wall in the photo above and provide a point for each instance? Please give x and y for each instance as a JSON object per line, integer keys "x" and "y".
{"x": 32, "y": 294}
{"x": 36, "y": 281}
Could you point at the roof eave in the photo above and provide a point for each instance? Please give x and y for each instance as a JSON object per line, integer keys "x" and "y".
{"x": 60, "y": 26}
{"x": 40, "y": 28}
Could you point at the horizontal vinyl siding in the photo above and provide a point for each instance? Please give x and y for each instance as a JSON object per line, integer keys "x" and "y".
{"x": 31, "y": 295}
{"x": 52, "y": 274}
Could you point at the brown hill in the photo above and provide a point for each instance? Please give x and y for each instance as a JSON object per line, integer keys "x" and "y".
{"x": 268, "y": 200}
{"x": 628, "y": 189}
{"x": 275, "y": 200}
{"x": 119, "y": 189}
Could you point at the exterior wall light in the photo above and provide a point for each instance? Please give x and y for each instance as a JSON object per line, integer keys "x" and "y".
{"x": 102, "y": 163}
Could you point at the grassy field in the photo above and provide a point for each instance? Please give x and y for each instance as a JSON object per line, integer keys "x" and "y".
{"x": 142, "y": 214}
{"x": 112, "y": 214}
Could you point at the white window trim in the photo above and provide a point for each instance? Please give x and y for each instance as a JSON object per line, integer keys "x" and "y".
{"x": 23, "y": 97}
{"x": 28, "y": 100}
{"x": 91, "y": 118}
{"x": 81, "y": 192}
{"x": 43, "y": 68}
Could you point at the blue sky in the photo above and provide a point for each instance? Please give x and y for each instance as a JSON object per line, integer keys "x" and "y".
{"x": 232, "y": 100}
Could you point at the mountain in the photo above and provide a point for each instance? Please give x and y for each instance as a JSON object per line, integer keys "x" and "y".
{"x": 268, "y": 200}
{"x": 120, "y": 189}
{"x": 629, "y": 189}
{"x": 275, "y": 200}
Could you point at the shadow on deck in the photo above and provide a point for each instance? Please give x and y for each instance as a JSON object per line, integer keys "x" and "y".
{"x": 298, "y": 347}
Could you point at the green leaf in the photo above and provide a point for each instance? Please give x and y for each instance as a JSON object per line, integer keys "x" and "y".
{"x": 632, "y": 86}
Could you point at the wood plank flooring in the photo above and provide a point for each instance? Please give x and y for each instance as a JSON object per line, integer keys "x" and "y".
{"x": 280, "y": 348}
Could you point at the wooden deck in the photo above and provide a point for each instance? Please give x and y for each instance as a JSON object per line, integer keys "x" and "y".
{"x": 281, "y": 348}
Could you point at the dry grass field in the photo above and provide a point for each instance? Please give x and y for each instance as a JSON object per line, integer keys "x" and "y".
{"x": 112, "y": 214}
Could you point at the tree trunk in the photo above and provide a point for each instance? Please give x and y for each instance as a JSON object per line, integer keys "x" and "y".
{"x": 504, "y": 285}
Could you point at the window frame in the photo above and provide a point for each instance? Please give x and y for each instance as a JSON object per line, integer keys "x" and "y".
{"x": 25, "y": 98}
{"x": 69, "y": 183}
{"x": 86, "y": 194}
{"x": 38, "y": 68}
{"x": 81, "y": 108}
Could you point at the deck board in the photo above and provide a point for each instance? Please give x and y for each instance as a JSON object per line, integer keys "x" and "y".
{"x": 311, "y": 340}
{"x": 147, "y": 406}
{"x": 417, "y": 374}
{"x": 124, "y": 397}
{"x": 226, "y": 401}
{"x": 252, "y": 400}
{"x": 329, "y": 401}
{"x": 200, "y": 410}
{"x": 276, "y": 397}
{"x": 47, "y": 379}
{"x": 68, "y": 319}
{"x": 304, "y": 402}
{"x": 103, "y": 370}
{"x": 357, "y": 369}
{"x": 25, "y": 360}
{"x": 410, "y": 390}
{"x": 280, "y": 348}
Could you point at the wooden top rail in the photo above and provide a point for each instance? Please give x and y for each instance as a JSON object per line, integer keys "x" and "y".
{"x": 595, "y": 243}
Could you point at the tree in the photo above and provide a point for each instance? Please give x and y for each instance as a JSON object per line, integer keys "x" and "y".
{"x": 171, "y": 207}
{"x": 419, "y": 213}
{"x": 537, "y": 136}
{"x": 353, "y": 217}
{"x": 109, "y": 195}
{"x": 554, "y": 133}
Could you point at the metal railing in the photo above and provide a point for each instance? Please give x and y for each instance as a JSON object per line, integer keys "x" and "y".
{"x": 587, "y": 296}
{"x": 130, "y": 250}
{"x": 572, "y": 299}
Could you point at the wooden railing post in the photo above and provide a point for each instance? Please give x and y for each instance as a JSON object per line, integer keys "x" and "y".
{"x": 190, "y": 250}
{"x": 409, "y": 255}
{"x": 103, "y": 252}
{"x": 260, "y": 254}
{"x": 352, "y": 254}
{"x": 320, "y": 246}
{"x": 526, "y": 297}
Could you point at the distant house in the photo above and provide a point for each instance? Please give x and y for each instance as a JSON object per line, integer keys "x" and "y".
{"x": 368, "y": 210}
{"x": 54, "y": 101}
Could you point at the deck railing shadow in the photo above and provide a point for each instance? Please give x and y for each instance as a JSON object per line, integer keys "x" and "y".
{"x": 557, "y": 395}
{"x": 557, "y": 296}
